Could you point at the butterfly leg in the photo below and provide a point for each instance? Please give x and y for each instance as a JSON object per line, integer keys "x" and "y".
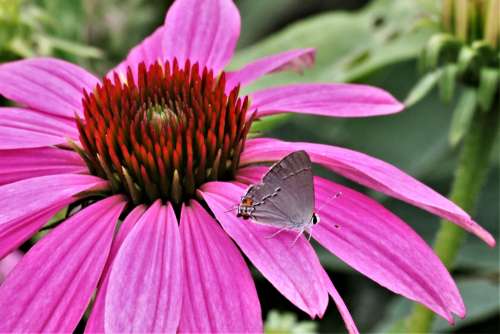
{"x": 299, "y": 233}
{"x": 277, "y": 232}
{"x": 310, "y": 233}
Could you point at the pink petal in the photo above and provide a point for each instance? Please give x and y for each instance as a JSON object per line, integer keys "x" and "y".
{"x": 95, "y": 324}
{"x": 219, "y": 293}
{"x": 295, "y": 60}
{"x": 27, "y": 205}
{"x": 18, "y": 165}
{"x": 370, "y": 172}
{"x": 8, "y": 263}
{"x": 378, "y": 244}
{"x": 375, "y": 242}
{"x": 337, "y": 100}
{"x": 145, "y": 284}
{"x": 22, "y": 199}
{"x": 148, "y": 51}
{"x": 204, "y": 32}
{"x": 11, "y": 138}
{"x": 341, "y": 306}
{"x": 14, "y": 234}
{"x": 50, "y": 288}
{"x": 45, "y": 84}
{"x": 299, "y": 278}
{"x": 37, "y": 123}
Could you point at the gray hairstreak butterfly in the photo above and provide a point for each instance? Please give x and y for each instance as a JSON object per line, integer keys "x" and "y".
{"x": 285, "y": 196}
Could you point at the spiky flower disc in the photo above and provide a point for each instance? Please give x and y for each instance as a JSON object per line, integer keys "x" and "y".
{"x": 164, "y": 134}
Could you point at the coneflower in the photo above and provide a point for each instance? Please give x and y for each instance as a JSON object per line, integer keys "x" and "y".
{"x": 149, "y": 160}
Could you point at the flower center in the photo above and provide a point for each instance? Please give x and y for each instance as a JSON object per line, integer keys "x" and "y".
{"x": 163, "y": 135}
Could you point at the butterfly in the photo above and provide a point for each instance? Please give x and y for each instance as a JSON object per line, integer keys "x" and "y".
{"x": 285, "y": 196}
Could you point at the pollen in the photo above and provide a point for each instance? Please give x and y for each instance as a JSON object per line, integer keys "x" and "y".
{"x": 164, "y": 133}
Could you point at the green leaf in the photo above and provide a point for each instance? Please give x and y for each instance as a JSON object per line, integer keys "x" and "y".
{"x": 287, "y": 323}
{"x": 396, "y": 48}
{"x": 422, "y": 88}
{"x": 331, "y": 262}
{"x": 488, "y": 86}
{"x": 476, "y": 255}
{"x": 350, "y": 46}
{"x": 326, "y": 32}
{"x": 448, "y": 82}
{"x": 480, "y": 297}
{"x": 486, "y": 53}
{"x": 56, "y": 218}
{"x": 462, "y": 115}
{"x": 70, "y": 47}
{"x": 267, "y": 123}
{"x": 441, "y": 48}
{"x": 393, "y": 321}
{"x": 258, "y": 19}
{"x": 20, "y": 47}
{"x": 468, "y": 63}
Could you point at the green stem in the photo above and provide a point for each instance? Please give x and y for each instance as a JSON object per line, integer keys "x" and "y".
{"x": 469, "y": 179}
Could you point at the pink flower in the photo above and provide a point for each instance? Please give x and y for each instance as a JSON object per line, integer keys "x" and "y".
{"x": 151, "y": 161}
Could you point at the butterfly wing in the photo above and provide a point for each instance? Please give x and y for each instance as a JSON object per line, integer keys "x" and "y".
{"x": 285, "y": 197}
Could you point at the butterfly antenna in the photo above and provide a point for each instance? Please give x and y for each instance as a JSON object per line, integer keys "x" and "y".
{"x": 338, "y": 194}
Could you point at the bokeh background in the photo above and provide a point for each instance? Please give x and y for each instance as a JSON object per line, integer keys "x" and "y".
{"x": 375, "y": 42}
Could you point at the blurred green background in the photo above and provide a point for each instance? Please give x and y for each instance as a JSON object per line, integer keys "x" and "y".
{"x": 375, "y": 42}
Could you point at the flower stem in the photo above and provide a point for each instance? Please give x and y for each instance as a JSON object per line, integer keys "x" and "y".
{"x": 469, "y": 179}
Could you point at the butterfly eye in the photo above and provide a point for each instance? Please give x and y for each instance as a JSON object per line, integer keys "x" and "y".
{"x": 315, "y": 219}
